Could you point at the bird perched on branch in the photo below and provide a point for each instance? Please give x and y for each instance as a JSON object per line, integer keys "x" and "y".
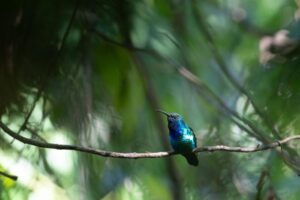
{"x": 182, "y": 137}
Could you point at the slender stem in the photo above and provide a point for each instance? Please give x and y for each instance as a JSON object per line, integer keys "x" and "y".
{"x": 224, "y": 68}
{"x": 254, "y": 132}
{"x": 12, "y": 177}
{"x": 44, "y": 81}
{"x": 197, "y": 83}
{"x": 154, "y": 104}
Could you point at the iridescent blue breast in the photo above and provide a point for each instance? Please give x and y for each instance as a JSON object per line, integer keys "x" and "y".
{"x": 183, "y": 140}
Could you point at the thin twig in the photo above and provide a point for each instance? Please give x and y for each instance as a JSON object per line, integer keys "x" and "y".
{"x": 260, "y": 184}
{"x": 189, "y": 76}
{"x": 135, "y": 155}
{"x": 117, "y": 43}
{"x": 224, "y": 68}
{"x": 37, "y": 97}
{"x": 255, "y": 132}
{"x": 12, "y": 177}
{"x": 154, "y": 103}
{"x": 195, "y": 81}
{"x": 184, "y": 72}
{"x": 44, "y": 81}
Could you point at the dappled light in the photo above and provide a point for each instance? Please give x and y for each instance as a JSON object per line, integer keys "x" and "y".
{"x": 149, "y": 100}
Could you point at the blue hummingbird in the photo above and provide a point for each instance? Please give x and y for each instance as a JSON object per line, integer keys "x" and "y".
{"x": 182, "y": 137}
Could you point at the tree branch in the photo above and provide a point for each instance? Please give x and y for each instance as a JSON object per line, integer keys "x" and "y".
{"x": 225, "y": 69}
{"x": 12, "y": 177}
{"x": 234, "y": 116}
{"x": 135, "y": 155}
{"x": 44, "y": 81}
{"x": 154, "y": 103}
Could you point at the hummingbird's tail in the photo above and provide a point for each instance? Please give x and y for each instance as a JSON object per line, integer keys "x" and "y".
{"x": 191, "y": 158}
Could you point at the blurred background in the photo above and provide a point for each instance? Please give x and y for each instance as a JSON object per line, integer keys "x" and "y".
{"x": 92, "y": 73}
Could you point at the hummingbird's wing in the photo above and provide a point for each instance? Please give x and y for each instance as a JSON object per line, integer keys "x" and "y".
{"x": 191, "y": 157}
{"x": 195, "y": 139}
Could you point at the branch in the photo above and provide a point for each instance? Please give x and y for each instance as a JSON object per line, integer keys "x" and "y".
{"x": 117, "y": 43}
{"x": 196, "y": 82}
{"x": 225, "y": 69}
{"x": 12, "y": 177}
{"x": 25, "y": 122}
{"x": 134, "y": 155}
{"x": 234, "y": 116}
{"x": 154, "y": 103}
{"x": 44, "y": 81}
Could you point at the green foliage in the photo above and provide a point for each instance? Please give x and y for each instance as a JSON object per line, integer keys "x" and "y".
{"x": 101, "y": 69}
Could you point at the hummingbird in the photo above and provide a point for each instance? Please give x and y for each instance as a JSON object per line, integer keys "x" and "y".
{"x": 182, "y": 137}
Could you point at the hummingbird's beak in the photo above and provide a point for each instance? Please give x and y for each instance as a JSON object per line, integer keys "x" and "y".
{"x": 163, "y": 112}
